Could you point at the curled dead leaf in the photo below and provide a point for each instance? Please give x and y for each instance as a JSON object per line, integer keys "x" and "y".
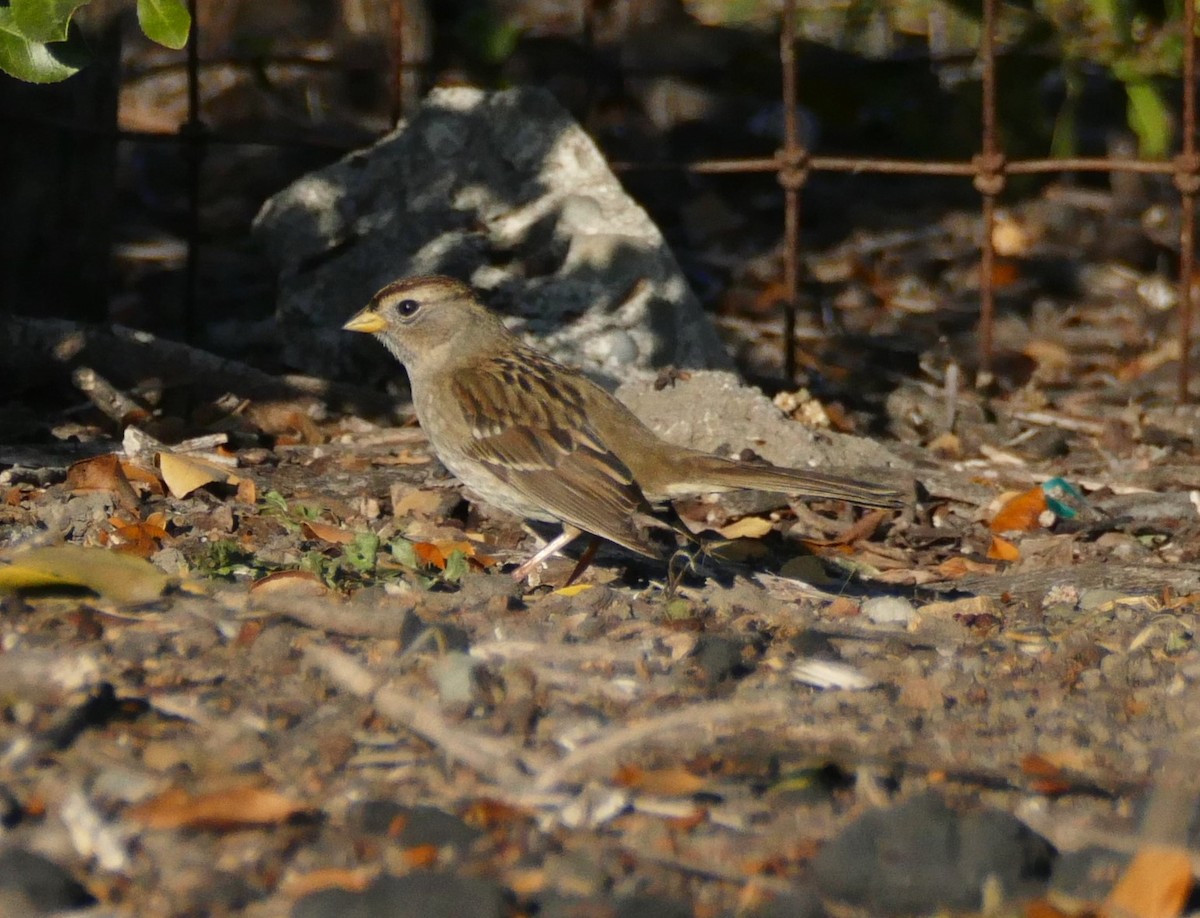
{"x": 185, "y": 474}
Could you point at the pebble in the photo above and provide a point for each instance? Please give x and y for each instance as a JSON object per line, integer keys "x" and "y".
{"x": 889, "y": 610}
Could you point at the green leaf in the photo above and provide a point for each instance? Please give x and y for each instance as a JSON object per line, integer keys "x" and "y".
{"x": 456, "y": 566}
{"x": 1149, "y": 118}
{"x": 404, "y": 553}
{"x": 44, "y": 20}
{"x": 34, "y": 61}
{"x": 363, "y": 551}
{"x": 165, "y": 21}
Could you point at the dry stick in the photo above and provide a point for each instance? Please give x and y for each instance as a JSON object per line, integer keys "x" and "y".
{"x": 112, "y": 402}
{"x": 321, "y": 614}
{"x": 487, "y": 756}
{"x": 33, "y": 348}
{"x": 707, "y": 718}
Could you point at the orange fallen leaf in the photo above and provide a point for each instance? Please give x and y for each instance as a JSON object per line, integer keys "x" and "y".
{"x": 420, "y": 855}
{"x": 227, "y": 809}
{"x": 429, "y": 554}
{"x": 1156, "y": 884}
{"x": 142, "y": 539}
{"x": 435, "y": 554}
{"x": 1003, "y": 550}
{"x": 1021, "y": 513}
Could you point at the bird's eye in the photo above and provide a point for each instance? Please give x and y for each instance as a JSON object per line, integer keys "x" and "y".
{"x": 407, "y": 308}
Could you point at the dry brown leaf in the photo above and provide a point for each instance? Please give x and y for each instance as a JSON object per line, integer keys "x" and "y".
{"x": 102, "y": 473}
{"x": 404, "y": 457}
{"x": 1156, "y": 884}
{"x": 486, "y": 813}
{"x": 326, "y": 532}
{"x": 862, "y": 528}
{"x": 227, "y": 809}
{"x": 350, "y": 879}
{"x": 1011, "y": 236}
{"x": 184, "y": 474}
{"x": 958, "y": 608}
{"x": 954, "y": 568}
{"x": 668, "y": 782}
{"x": 1051, "y": 356}
{"x": 143, "y": 476}
{"x": 748, "y": 527}
{"x": 247, "y": 492}
{"x": 303, "y": 583}
{"x": 418, "y": 502}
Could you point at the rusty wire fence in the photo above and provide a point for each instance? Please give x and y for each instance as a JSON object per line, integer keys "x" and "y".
{"x": 793, "y": 164}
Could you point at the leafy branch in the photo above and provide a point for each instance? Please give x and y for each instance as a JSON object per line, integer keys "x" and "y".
{"x": 40, "y": 44}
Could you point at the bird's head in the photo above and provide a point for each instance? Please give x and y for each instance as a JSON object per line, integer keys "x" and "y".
{"x": 418, "y": 317}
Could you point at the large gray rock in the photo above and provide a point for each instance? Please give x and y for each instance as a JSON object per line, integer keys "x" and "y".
{"x": 503, "y": 190}
{"x": 716, "y": 412}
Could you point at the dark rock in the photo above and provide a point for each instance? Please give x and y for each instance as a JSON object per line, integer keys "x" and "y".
{"x": 39, "y": 882}
{"x": 412, "y": 825}
{"x": 803, "y": 903}
{"x": 1088, "y": 874}
{"x": 416, "y": 895}
{"x": 922, "y": 856}
{"x": 651, "y": 907}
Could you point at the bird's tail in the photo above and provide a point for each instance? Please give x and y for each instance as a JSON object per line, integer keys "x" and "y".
{"x": 712, "y": 473}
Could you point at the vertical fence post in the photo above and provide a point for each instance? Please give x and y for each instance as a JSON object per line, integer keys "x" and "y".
{"x": 791, "y": 176}
{"x": 989, "y": 181}
{"x": 1187, "y": 180}
{"x": 193, "y": 151}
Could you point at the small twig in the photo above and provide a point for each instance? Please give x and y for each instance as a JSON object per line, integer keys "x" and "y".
{"x": 111, "y": 401}
{"x": 707, "y": 718}
{"x": 1061, "y": 421}
{"x": 493, "y": 759}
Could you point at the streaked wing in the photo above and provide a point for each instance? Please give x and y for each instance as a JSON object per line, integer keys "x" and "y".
{"x": 530, "y": 429}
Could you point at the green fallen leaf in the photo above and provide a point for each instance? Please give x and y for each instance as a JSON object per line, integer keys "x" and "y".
{"x": 112, "y": 574}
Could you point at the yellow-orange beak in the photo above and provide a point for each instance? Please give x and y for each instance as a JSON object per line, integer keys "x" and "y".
{"x": 367, "y": 321}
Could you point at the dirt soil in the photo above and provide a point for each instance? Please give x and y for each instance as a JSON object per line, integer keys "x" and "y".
{"x": 338, "y": 638}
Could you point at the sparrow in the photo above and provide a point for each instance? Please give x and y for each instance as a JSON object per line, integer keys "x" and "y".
{"x": 540, "y": 439}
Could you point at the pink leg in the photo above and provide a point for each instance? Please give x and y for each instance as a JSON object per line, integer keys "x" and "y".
{"x": 568, "y": 535}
